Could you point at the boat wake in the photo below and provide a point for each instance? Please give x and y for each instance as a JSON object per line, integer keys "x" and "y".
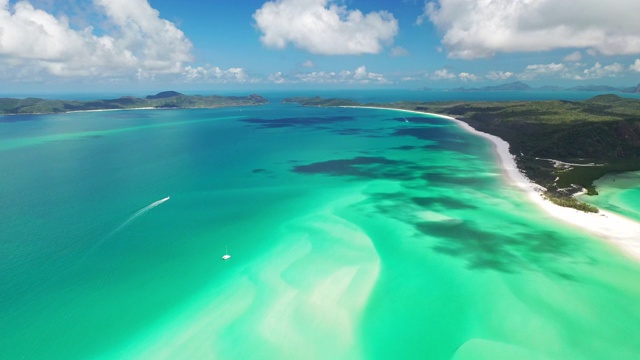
{"x": 125, "y": 223}
{"x": 138, "y": 214}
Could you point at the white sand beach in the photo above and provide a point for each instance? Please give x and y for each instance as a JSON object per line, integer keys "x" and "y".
{"x": 104, "y": 110}
{"x": 620, "y": 231}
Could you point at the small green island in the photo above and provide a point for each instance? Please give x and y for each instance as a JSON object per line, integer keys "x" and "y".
{"x": 563, "y": 146}
{"x": 162, "y": 100}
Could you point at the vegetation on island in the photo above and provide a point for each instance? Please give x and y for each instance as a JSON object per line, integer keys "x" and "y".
{"x": 319, "y": 101}
{"x": 570, "y": 201}
{"x": 163, "y": 100}
{"x": 563, "y": 146}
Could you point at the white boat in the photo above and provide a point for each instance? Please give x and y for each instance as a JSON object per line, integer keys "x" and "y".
{"x": 226, "y": 255}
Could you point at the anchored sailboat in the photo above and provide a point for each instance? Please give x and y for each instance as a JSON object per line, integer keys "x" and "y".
{"x": 226, "y": 255}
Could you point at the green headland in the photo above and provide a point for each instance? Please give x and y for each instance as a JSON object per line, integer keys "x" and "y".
{"x": 563, "y": 146}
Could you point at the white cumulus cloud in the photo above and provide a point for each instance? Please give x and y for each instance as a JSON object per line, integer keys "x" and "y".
{"x": 324, "y": 27}
{"x": 635, "y": 66}
{"x": 546, "y": 68}
{"x": 573, "y": 57}
{"x": 555, "y": 70}
{"x": 277, "y": 78}
{"x": 359, "y": 76}
{"x": 399, "y": 51}
{"x": 441, "y": 74}
{"x": 214, "y": 74}
{"x": 445, "y": 74}
{"x": 573, "y": 71}
{"x": 465, "y": 76}
{"x": 599, "y": 71}
{"x": 482, "y": 28}
{"x": 134, "y": 42}
{"x": 361, "y": 73}
{"x": 499, "y": 75}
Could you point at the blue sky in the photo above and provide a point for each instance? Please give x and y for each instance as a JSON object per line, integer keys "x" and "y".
{"x": 256, "y": 44}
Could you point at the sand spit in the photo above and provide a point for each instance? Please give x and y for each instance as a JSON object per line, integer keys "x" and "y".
{"x": 620, "y": 231}
{"x": 104, "y": 110}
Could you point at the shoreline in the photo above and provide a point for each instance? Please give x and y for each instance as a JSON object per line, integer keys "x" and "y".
{"x": 618, "y": 230}
{"x": 129, "y": 109}
{"x": 103, "y": 110}
{"x": 80, "y": 111}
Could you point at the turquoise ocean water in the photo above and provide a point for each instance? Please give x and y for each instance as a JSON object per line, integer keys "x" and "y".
{"x": 354, "y": 234}
{"x": 619, "y": 193}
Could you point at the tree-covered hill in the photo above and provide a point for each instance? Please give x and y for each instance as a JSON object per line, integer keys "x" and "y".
{"x": 167, "y": 99}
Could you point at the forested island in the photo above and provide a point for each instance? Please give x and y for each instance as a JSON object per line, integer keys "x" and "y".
{"x": 563, "y": 146}
{"x": 163, "y": 100}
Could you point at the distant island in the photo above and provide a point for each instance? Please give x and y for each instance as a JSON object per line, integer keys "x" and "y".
{"x": 520, "y": 86}
{"x": 562, "y": 146}
{"x": 162, "y": 100}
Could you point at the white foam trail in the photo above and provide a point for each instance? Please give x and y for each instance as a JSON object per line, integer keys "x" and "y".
{"x": 138, "y": 213}
{"x": 125, "y": 223}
